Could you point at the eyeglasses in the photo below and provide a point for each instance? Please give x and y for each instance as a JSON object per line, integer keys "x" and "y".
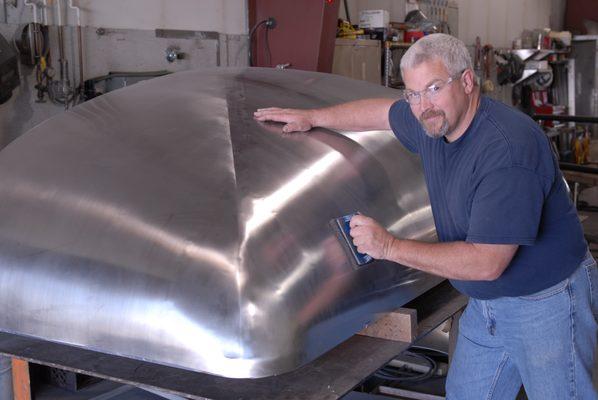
{"x": 414, "y": 98}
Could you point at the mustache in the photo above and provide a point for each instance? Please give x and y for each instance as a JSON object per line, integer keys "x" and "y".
{"x": 431, "y": 114}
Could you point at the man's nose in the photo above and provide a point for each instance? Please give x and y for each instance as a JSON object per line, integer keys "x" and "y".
{"x": 425, "y": 103}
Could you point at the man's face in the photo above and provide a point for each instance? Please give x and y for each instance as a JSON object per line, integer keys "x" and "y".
{"x": 438, "y": 105}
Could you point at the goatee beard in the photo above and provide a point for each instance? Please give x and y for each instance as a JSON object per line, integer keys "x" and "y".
{"x": 440, "y": 132}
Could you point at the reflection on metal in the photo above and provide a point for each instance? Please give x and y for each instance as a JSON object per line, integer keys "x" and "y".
{"x": 524, "y": 54}
{"x": 532, "y": 59}
{"x": 162, "y": 222}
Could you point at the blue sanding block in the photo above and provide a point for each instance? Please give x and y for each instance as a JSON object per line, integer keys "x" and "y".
{"x": 342, "y": 228}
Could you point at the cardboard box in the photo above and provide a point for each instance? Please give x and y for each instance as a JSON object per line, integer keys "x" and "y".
{"x": 373, "y": 19}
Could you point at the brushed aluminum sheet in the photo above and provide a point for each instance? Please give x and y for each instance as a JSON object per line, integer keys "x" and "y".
{"x": 161, "y": 222}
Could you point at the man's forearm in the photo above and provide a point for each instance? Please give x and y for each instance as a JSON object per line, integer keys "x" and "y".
{"x": 360, "y": 115}
{"x": 453, "y": 260}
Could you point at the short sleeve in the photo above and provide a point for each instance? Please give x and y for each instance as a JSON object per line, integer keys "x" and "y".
{"x": 404, "y": 125}
{"x": 506, "y": 207}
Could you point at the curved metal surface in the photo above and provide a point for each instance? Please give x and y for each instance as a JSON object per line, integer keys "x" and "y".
{"x": 162, "y": 222}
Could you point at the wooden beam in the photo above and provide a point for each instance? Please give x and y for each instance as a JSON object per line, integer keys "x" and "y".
{"x": 398, "y": 325}
{"x": 21, "y": 383}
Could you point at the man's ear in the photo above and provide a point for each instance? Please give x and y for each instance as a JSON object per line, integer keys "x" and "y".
{"x": 468, "y": 80}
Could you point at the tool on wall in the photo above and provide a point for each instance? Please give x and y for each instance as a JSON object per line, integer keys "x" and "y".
{"x": 9, "y": 70}
{"x": 33, "y": 44}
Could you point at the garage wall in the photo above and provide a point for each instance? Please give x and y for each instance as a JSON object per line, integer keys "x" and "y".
{"x": 211, "y": 33}
{"x": 395, "y": 8}
{"x": 225, "y": 16}
{"x": 500, "y": 22}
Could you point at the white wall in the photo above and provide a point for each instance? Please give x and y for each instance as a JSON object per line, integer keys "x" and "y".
{"x": 128, "y": 43}
{"x": 395, "y": 8}
{"x": 496, "y": 22}
{"x": 500, "y": 22}
{"x": 224, "y": 16}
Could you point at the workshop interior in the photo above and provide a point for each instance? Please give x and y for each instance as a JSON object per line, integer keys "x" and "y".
{"x": 157, "y": 242}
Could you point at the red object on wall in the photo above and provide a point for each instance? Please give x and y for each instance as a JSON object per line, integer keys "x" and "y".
{"x": 304, "y": 35}
{"x": 576, "y": 12}
{"x": 412, "y": 36}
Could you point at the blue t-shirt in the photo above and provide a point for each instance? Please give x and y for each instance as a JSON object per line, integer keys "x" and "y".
{"x": 499, "y": 183}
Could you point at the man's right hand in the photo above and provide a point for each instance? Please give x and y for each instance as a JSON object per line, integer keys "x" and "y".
{"x": 295, "y": 120}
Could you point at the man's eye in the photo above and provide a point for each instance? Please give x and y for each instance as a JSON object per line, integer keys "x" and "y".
{"x": 411, "y": 95}
{"x": 434, "y": 88}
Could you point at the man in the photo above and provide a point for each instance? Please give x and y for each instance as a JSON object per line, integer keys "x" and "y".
{"x": 509, "y": 234}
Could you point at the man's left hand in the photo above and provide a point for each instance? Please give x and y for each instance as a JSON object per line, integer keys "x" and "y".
{"x": 370, "y": 237}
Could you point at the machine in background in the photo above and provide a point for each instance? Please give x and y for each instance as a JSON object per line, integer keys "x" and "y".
{"x": 9, "y": 70}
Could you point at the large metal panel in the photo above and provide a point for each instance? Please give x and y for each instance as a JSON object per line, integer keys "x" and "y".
{"x": 162, "y": 222}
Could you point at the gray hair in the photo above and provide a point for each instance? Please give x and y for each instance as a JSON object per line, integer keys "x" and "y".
{"x": 450, "y": 50}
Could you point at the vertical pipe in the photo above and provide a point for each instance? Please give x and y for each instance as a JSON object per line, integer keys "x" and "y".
{"x": 45, "y": 12}
{"x": 347, "y": 12}
{"x": 77, "y": 10}
{"x": 64, "y": 72}
{"x": 61, "y": 51}
{"x": 5, "y": 378}
{"x": 34, "y": 7}
{"x": 58, "y": 13}
{"x": 79, "y": 45}
{"x": 33, "y": 32}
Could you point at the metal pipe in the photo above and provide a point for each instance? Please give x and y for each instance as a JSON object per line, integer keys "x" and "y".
{"x": 34, "y": 33}
{"x": 34, "y": 7}
{"x": 65, "y": 89}
{"x": 78, "y": 10}
{"x": 567, "y": 166}
{"x": 45, "y": 12}
{"x": 565, "y": 118}
{"x": 79, "y": 45}
{"x": 347, "y": 11}
{"x": 61, "y": 50}
{"x": 58, "y": 13}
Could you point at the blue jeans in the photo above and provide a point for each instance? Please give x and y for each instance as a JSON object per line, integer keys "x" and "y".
{"x": 545, "y": 341}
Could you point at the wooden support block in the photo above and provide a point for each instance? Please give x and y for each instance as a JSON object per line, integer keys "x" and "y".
{"x": 21, "y": 383}
{"x": 399, "y": 325}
